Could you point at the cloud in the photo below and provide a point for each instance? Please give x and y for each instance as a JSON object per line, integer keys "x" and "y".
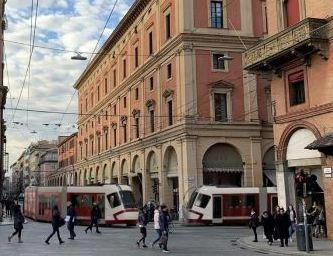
{"x": 61, "y": 24}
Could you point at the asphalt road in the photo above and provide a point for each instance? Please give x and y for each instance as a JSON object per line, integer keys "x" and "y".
{"x": 207, "y": 240}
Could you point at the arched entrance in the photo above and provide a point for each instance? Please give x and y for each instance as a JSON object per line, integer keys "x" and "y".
{"x": 90, "y": 176}
{"x": 124, "y": 172}
{"x": 152, "y": 182}
{"x": 85, "y": 178}
{"x": 96, "y": 179}
{"x": 114, "y": 174}
{"x": 269, "y": 169}
{"x": 171, "y": 187}
{"x": 223, "y": 166}
{"x": 298, "y": 158}
{"x": 136, "y": 183}
{"x": 103, "y": 180}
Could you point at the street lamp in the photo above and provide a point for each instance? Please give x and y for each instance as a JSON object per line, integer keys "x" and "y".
{"x": 78, "y": 56}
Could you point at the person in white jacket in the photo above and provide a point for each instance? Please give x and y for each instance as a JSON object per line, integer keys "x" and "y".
{"x": 157, "y": 225}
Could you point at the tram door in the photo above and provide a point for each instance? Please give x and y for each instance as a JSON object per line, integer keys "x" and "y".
{"x": 217, "y": 209}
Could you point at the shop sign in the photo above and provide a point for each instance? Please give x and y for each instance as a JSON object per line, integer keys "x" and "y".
{"x": 328, "y": 172}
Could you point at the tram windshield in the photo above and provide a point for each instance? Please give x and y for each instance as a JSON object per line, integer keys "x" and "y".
{"x": 192, "y": 198}
{"x": 127, "y": 198}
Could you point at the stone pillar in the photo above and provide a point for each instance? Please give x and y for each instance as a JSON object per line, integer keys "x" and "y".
{"x": 285, "y": 184}
{"x": 256, "y": 162}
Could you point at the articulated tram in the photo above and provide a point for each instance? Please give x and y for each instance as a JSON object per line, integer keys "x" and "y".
{"x": 115, "y": 201}
{"x": 220, "y": 205}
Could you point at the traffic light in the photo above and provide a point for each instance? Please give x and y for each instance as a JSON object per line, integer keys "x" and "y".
{"x": 301, "y": 184}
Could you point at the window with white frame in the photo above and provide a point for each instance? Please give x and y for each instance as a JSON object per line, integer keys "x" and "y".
{"x": 218, "y": 62}
{"x": 216, "y": 14}
{"x": 220, "y": 99}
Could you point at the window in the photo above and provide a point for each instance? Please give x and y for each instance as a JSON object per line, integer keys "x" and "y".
{"x": 170, "y": 120}
{"x": 220, "y": 106}
{"x": 92, "y": 147}
{"x": 86, "y": 104}
{"x": 150, "y": 43}
{"x": 136, "y": 125}
{"x": 218, "y": 62}
{"x": 136, "y": 57}
{"x": 125, "y": 132}
{"x": 92, "y": 124}
{"x": 114, "y": 78}
{"x": 92, "y": 99}
{"x": 216, "y": 14}
{"x": 80, "y": 151}
{"x": 81, "y": 108}
{"x": 169, "y": 71}
{"x": 97, "y": 93}
{"x": 296, "y": 88}
{"x": 124, "y": 69}
{"x": 86, "y": 150}
{"x": 151, "y": 83}
{"x": 152, "y": 120}
{"x": 136, "y": 93}
{"x": 99, "y": 120}
{"x": 291, "y": 13}
{"x": 106, "y": 115}
{"x": 105, "y": 86}
{"x": 167, "y": 26}
{"x": 127, "y": 198}
{"x": 191, "y": 200}
{"x": 114, "y": 110}
{"x": 124, "y": 102}
{"x": 106, "y": 140}
{"x": 98, "y": 144}
{"x": 202, "y": 201}
{"x": 114, "y": 137}
{"x": 114, "y": 200}
{"x": 86, "y": 127}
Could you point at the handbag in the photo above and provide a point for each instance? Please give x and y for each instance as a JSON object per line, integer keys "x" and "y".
{"x": 163, "y": 239}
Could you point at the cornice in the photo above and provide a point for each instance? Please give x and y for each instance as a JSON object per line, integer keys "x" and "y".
{"x": 304, "y": 114}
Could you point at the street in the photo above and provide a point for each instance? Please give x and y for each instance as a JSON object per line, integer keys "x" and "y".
{"x": 211, "y": 240}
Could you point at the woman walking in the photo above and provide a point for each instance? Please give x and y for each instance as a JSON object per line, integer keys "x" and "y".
{"x": 57, "y": 222}
{"x": 268, "y": 223}
{"x": 143, "y": 230}
{"x": 157, "y": 225}
{"x": 253, "y": 224}
{"x": 292, "y": 218}
{"x": 18, "y": 223}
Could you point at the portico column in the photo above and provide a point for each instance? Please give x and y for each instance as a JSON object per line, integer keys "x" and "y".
{"x": 285, "y": 184}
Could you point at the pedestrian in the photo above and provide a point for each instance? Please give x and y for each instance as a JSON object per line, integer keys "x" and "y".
{"x": 57, "y": 222}
{"x": 70, "y": 218}
{"x": 164, "y": 226}
{"x": 292, "y": 218}
{"x": 95, "y": 215}
{"x": 268, "y": 223}
{"x": 18, "y": 223}
{"x": 282, "y": 224}
{"x": 157, "y": 225}
{"x": 143, "y": 230}
{"x": 275, "y": 214}
{"x": 254, "y": 223}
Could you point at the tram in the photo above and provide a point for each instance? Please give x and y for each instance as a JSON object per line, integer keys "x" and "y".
{"x": 230, "y": 206}
{"x": 115, "y": 201}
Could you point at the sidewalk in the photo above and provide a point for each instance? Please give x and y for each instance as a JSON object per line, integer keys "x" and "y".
{"x": 6, "y": 221}
{"x": 321, "y": 247}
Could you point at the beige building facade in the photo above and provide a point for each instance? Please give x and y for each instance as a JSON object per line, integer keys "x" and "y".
{"x": 166, "y": 107}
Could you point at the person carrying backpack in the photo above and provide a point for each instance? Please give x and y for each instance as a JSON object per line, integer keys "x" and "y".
{"x": 18, "y": 223}
{"x": 57, "y": 222}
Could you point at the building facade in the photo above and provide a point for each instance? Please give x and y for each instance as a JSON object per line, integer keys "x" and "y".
{"x": 166, "y": 107}
{"x": 296, "y": 57}
{"x": 67, "y": 155}
{"x": 47, "y": 165}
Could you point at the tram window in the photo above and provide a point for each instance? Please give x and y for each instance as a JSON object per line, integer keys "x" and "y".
{"x": 250, "y": 201}
{"x": 127, "y": 198}
{"x": 202, "y": 201}
{"x": 114, "y": 200}
{"x": 192, "y": 198}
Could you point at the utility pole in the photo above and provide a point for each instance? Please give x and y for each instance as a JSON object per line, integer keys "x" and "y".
{"x": 3, "y": 94}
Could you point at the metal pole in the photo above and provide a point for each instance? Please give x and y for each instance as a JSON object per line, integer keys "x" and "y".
{"x": 306, "y": 231}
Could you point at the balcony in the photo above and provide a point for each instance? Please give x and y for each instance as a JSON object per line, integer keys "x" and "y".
{"x": 296, "y": 42}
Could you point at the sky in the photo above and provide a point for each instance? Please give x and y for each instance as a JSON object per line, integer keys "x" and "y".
{"x": 63, "y": 27}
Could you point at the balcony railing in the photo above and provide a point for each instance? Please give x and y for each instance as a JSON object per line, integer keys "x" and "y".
{"x": 304, "y": 35}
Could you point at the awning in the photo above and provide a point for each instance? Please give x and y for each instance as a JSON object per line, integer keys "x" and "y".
{"x": 271, "y": 175}
{"x": 324, "y": 142}
{"x": 224, "y": 169}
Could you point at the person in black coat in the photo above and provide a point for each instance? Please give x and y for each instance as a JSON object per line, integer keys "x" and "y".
{"x": 71, "y": 220}
{"x": 268, "y": 223}
{"x": 164, "y": 226}
{"x": 56, "y": 223}
{"x": 18, "y": 223}
{"x": 282, "y": 224}
{"x": 253, "y": 224}
{"x": 95, "y": 215}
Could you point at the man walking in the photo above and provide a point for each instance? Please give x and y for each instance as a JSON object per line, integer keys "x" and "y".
{"x": 95, "y": 215}
{"x": 164, "y": 226}
{"x": 70, "y": 218}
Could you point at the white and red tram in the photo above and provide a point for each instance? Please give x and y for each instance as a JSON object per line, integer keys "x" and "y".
{"x": 220, "y": 205}
{"x": 115, "y": 201}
